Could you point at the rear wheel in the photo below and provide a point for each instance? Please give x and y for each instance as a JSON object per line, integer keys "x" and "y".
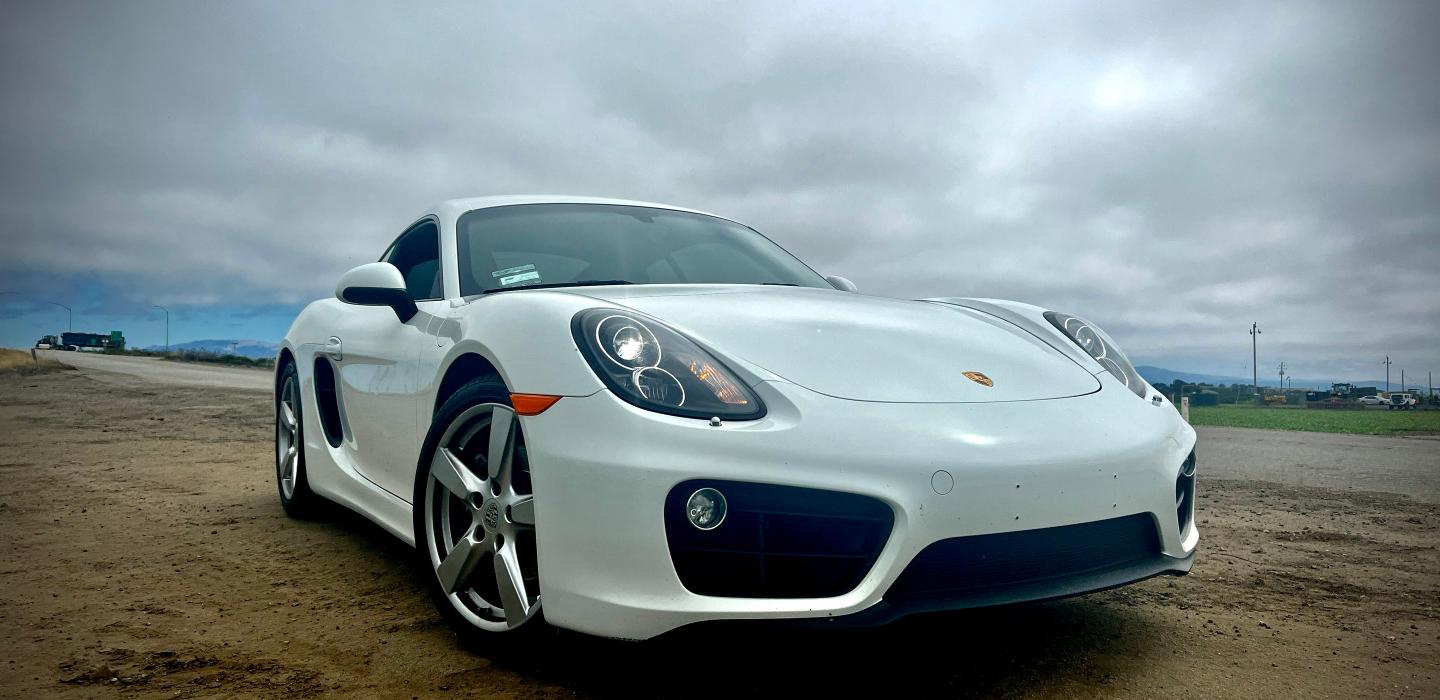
{"x": 475, "y": 514}
{"x": 295, "y": 495}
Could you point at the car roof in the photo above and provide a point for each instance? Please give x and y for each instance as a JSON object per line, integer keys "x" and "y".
{"x": 451, "y": 209}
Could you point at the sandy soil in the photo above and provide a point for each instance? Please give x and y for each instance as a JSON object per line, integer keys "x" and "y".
{"x": 144, "y": 554}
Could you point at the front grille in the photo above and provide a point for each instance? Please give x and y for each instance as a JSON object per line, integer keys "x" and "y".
{"x": 967, "y": 565}
{"x": 777, "y": 541}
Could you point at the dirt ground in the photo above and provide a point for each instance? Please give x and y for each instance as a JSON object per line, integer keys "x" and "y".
{"x": 144, "y": 554}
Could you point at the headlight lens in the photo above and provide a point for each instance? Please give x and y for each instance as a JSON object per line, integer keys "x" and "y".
{"x": 658, "y": 369}
{"x": 1099, "y": 346}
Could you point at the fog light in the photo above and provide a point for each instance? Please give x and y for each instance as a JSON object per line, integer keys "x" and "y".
{"x": 705, "y": 509}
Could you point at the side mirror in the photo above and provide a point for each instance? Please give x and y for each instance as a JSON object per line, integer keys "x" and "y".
{"x": 842, "y": 284}
{"x": 377, "y": 284}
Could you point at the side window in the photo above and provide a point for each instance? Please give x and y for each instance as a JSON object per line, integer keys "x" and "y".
{"x": 417, "y": 255}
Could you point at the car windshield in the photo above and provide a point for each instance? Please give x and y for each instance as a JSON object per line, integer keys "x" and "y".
{"x": 531, "y": 245}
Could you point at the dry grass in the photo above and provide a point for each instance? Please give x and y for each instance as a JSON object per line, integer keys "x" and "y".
{"x": 20, "y": 361}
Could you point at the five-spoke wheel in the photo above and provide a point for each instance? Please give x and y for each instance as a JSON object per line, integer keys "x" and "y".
{"x": 287, "y": 437}
{"x": 479, "y": 516}
{"x": 295, "y": 494}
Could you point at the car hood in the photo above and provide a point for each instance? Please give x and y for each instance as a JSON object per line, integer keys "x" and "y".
{"x": 862, "y": 347}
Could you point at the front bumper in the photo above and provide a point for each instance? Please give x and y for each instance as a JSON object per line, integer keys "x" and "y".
{"x": 602, "y": 470}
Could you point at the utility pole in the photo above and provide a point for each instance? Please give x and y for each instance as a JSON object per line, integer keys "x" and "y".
{"x": 1255, "y": 355}
{"x": 167, "y": 325}
{"x": 1402, "y": 380}
{"x": 1387, "y": 374}
{"x": 1282, "y": 376}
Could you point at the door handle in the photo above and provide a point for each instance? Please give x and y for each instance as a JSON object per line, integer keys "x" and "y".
{"x": 334, "y": 349}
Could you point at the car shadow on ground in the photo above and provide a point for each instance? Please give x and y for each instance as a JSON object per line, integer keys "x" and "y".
{"x": 1003, "y": 651}
{"x": 1077, "y": 645}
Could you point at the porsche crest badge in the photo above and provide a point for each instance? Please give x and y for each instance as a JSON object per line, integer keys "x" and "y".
{"x": 979, "y": 378}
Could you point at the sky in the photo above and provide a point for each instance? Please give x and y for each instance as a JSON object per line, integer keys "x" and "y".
{"x": 1171, "y": 171}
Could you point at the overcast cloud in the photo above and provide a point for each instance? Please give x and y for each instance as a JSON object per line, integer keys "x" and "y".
{"x": 1172, "y": 171}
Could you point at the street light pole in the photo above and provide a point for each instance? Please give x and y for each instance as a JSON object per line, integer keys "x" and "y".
{"x": 167, "y": 325}
{"x": 1255, "y": 355}
{"x": 70, "y": 311}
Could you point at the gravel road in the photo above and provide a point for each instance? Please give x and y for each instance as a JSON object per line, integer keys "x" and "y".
{"x": 1408, "y": 466}
{"x": 145, "y": 555}
{"x": 160, "y": 371}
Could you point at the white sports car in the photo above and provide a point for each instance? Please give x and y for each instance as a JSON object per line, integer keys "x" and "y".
{"x": 623, "y": 418}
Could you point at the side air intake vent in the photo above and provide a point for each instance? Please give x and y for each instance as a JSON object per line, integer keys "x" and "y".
{"x": 1185, "y": 492}
{"x": 327, "y": 399}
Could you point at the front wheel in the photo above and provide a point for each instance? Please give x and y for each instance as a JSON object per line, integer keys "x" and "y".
{"x": 475, "y": 514}
{"x": 295, "y": 495}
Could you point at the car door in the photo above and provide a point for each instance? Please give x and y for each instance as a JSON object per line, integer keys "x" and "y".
{"x": 378, "y": 358}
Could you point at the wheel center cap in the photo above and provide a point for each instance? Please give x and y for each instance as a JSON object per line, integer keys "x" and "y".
{"x": 490, "y": 515}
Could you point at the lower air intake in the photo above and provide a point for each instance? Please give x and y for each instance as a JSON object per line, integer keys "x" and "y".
{"x": 966, "y": 565}
{"x": 776, "y": 541}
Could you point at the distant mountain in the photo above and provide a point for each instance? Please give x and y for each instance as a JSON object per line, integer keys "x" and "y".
{"x": 246, "y": 348}
{"x": 1160, "y": 375}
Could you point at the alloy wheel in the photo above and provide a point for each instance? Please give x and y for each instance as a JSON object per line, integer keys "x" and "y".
{"x": 480, "y": 519}
{"x": 287, "y": 438}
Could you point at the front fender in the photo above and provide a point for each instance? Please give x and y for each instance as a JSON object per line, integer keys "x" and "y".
{"x": 526, "y": 337}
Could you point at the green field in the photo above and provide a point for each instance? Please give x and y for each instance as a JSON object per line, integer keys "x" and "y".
{"x": 1370, "y": 422}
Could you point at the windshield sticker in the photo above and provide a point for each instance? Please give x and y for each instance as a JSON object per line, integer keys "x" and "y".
{"x": 512, "y": 271}
{"x": 515, "y": 275}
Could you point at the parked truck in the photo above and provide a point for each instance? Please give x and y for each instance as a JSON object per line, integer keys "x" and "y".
{"x": 86, "y": 341}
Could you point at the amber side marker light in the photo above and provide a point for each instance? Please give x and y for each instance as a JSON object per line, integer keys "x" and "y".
{"x": 532, "y": 404}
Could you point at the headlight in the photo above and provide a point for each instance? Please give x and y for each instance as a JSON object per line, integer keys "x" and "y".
{"x": 1099, "y": 346}
{"x": 656, "y": 368}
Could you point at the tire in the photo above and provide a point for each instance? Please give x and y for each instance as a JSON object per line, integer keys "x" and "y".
{"x": 474, "y": 524}
{"x": 291, "y": 482}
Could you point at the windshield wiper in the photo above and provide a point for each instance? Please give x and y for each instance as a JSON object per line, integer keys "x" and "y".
{"x": 553, "y": 285}
{"x": 780, "y": 284}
